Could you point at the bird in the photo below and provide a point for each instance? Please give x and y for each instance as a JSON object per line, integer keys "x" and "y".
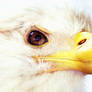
{"x": 45, "y": 45}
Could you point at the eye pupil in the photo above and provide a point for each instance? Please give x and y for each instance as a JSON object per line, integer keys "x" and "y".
{"x": 38, "y": 37}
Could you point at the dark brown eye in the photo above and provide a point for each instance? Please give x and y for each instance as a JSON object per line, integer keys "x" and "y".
{"x": 36, "y": 38}
{"x": 82, "y": 41}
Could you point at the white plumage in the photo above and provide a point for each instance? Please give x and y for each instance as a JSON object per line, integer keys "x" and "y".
{"x": 63, "y": 19}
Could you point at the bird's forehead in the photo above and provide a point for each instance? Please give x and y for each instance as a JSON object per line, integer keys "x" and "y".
{"x": 54, "y": 16}
{"x": 59, "y": 18}
{"x": 54, "y": 20}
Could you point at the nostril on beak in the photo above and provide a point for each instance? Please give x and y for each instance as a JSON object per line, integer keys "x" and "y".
{"x": 82, "y": 41}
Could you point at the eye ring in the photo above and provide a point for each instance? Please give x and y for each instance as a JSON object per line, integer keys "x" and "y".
{"x": 36, "y": 37}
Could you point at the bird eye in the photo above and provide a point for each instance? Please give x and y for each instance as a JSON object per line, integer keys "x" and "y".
{"x": 36, "y": 38}
{"x": 82, "y": 41}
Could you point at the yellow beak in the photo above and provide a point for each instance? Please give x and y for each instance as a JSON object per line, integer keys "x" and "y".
{"x": 79, "y": 58}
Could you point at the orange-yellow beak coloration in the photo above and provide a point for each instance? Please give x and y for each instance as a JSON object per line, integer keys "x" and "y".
{"x": 79, "y": 58}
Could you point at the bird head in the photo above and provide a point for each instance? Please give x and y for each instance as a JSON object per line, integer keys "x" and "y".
{"x": 42, "y": 37}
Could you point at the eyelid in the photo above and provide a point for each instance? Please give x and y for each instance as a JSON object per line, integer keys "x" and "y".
{"x": 41, "y": 29}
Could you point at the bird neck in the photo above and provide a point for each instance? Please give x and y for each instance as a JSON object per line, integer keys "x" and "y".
{"x": 64, "y": 81}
